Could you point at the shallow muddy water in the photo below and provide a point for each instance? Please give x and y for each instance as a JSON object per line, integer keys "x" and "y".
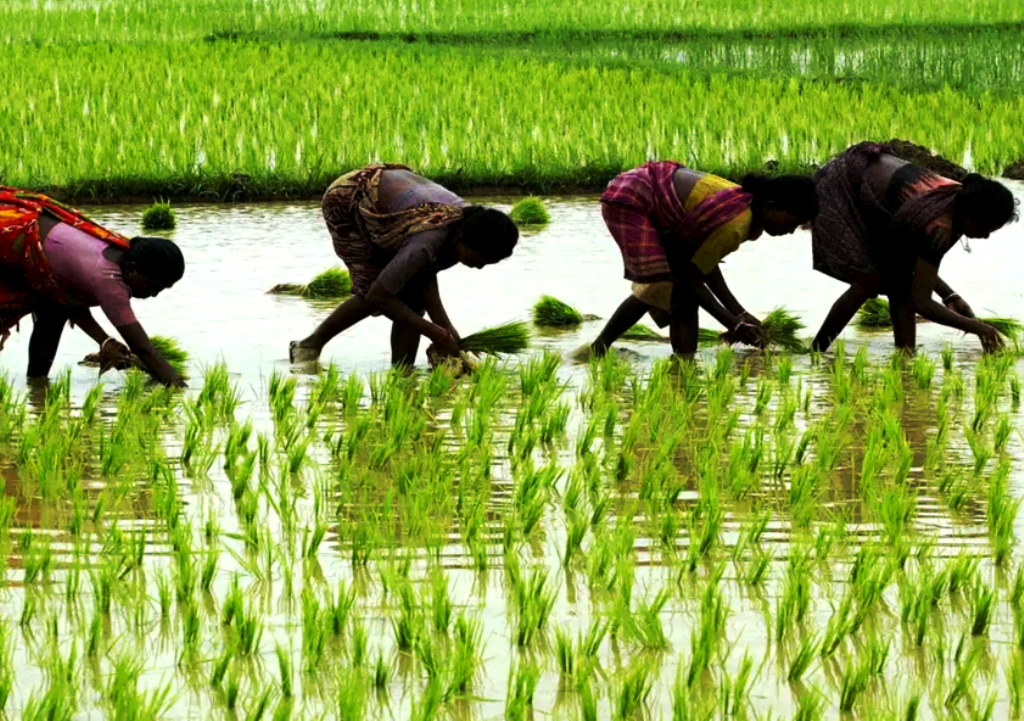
{"x": 220, "y": 311}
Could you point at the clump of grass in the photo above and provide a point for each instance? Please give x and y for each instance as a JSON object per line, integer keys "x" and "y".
{"x": 159, "y": 216}
{"x": 332, "y": 283}
{"x": 874, "y": 314}
{"x": 552, "y": 312}
{"x": 641, "y": 332}
{"x": 509, "y": 339}
{"x": 530, "y": 211}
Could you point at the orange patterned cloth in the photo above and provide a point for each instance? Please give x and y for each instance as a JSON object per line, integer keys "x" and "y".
{"x": 25, "y": 274}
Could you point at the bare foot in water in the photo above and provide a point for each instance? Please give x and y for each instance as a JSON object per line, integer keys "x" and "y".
{"x": 302, "y": 354}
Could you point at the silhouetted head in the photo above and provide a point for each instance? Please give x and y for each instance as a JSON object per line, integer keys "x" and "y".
{"x": 485, "y": 236}
{"x": 983, "y": 207}
{"x": 783, "y": 203}
{"x": 151, "y": 265}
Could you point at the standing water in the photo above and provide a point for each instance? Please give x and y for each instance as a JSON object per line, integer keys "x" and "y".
{"x": 787, "y": 535}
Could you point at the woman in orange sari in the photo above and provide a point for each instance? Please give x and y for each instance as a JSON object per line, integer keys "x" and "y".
{"x": 55, "y": 264}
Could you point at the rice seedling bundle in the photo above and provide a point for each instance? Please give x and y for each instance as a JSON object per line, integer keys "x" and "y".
{"x": 643, "y": 333}
{"x": 530, "y": 211}
{"x": 552, "y": 313}
{"x": 331, "y": 284}
{"x": 874, "y": 314}
{"x": 507, "y": 339}
{"x": 781, "y": 329}
{"x": 159, "y": 216}
{"x": 167, "y": 347}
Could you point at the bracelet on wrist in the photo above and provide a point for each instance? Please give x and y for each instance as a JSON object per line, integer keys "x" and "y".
{"x": 950, "y": 297}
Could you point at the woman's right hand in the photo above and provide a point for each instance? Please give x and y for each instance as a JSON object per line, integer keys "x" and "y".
{"x": 990, "y": 339}
{"x": 749, "y": 334}
{"x": 445, "y": 344}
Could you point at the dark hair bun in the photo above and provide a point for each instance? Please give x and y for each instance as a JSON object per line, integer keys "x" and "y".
{"x": 972, "y": 179}
{"x": 159, "y": 259}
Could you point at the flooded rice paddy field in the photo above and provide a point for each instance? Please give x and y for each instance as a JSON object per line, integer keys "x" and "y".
{"x": 764, "y": 536}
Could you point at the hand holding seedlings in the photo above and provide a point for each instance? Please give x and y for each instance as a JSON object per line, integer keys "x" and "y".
{"x": 989, "y": 336}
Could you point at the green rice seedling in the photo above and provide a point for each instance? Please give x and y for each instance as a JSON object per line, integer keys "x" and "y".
{"x": 1008, "y": 327}
{"x": 172, "y": 352}
{"x": 924, "y": 371}
{"x": 804, "y": 657}
{"x": 781, "y": 329}
{"x": 1014, "y": 673}
{"x": 947, "y": 358}
{"x": 644, "y": 623}
{"x": 854, "y": 682}
{"x": 550, "y": 312}
{"x": 966, "y": 659}
{"x": 534, "y": 601}
{"x": 530, "y": 211}
{"x": 873, "y": 315}
{"x": 983, "y": 600}
{"x": 260, "y": 706}
{"x": 810, "y": 705}
{"x": 576, "y": 531}
{"x": 507, "y": 339}
{"x": 522, "y": 685}
{"x": 734, "y": 692}
{"x": 642, "y": 333}
{"x": 158, "y": 216}
{"x": 331, "y": 283}
{"x": 382, "y": 671}
{"x": 441, "y": 607}
{"x": 468, "y": 636}
{"x": 1001, "y": 434}
{"x": 633, "y": 692}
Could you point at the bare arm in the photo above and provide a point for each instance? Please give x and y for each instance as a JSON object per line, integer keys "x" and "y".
{"x": 83, "y": 318}
{"x": 140, "y": 345}
{"x": 925, "y": 277}
{"x": 706, "y": 299}
{"x": 435, "y": 308}
{"x": 951, "y": 299}
{"x": 716, "y": 283}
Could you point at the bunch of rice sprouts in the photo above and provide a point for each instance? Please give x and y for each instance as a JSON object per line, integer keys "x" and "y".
{"x": 332, "y": 283}
{"x": 641, "y": 332}
{"x": 781, "y": 329}
{"x": 530, "y": 211}
{"x": 158, "y": 216}
{"x": 707, "y": 336}
{"x": 171, "y": 351}
{"x": 552, "y": 312}
{"x": 874, "y": 314}
{"x": 1009, "y": 327}
{"x": 175, "y": 356}
{"x": 507, "y": 339}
